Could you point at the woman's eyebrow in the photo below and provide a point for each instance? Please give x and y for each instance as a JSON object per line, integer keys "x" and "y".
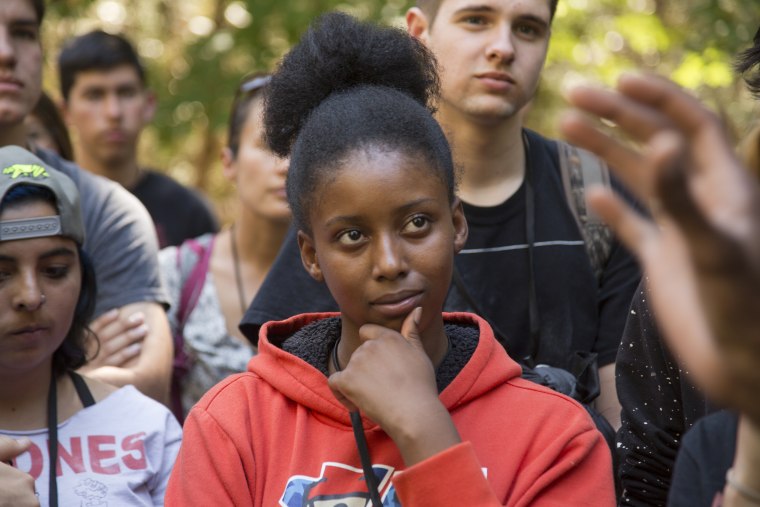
{"x": 55, "y": 252}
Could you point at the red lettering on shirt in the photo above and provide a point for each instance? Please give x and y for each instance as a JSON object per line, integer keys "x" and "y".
{"x": 135, "y": 446}
{"x": 105, "y": 456}
{"x": 98, "y": 454}
{"x": 74, "y": 459}
{"x": 35, "y": 460}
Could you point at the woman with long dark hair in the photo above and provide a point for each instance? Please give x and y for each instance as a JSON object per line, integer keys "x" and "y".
{"x": 223, "y": 271}
{"x": 84, "y": 442}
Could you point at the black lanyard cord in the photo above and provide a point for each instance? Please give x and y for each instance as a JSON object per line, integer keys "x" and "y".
{"x": 52, "y": 420}
{"x": 361, "y": 444}
{"x": 369, "y": 474}
{"x": 85, "y": 396}
{"x": 530, "y": 235}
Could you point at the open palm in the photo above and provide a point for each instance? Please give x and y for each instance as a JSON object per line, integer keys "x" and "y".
{"x": 700, "y": 250}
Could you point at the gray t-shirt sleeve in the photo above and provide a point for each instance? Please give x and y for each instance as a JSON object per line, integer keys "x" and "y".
{"x": 119, "y": 238}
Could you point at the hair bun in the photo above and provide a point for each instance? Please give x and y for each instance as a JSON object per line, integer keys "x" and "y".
{"x": 339, "y": 52}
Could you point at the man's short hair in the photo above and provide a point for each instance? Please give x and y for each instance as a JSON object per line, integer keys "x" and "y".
{"x": 98, "y": 51}
{"x": 39, "y": 9}
{"x": 430, "y": 8}
{"x": 748, "y": 64}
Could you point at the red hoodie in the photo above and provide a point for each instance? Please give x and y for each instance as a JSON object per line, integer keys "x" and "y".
{"x": 276, "y": 436}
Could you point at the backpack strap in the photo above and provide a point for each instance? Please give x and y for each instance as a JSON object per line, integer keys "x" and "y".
{"x": 190, "y": 292}
{"x": 580, "y": 169}
{"x": 193, "y": 284}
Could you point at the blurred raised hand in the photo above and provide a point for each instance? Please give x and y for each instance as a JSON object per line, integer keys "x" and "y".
{"x": 700, "y": 248}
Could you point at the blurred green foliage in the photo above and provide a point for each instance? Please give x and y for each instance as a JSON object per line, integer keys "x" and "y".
{"x": 196, "y": 51}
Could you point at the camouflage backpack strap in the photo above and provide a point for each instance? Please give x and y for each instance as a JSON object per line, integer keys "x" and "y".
{"x": 580, "y": 169}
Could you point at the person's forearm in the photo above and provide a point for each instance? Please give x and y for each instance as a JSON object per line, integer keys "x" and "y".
{"x": 150, "y": 385}
{"x": 607, "y": 403}
{"x": 151, "y": 372}
{"x": 745, "y": 479}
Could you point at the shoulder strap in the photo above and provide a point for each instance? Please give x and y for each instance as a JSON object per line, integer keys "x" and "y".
{"x": 83, "y": 391}
{"x": 190, "y": 290}
{"x": 193, "y": 284}
{"x": 580, "y": 169}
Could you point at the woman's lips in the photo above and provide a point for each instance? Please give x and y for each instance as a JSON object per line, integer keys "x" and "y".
{"x": 29, "y": 333}
{"x": 397, "y": 305}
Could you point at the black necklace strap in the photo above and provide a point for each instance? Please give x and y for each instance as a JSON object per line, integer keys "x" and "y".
{"x": 530, "y": 235}
{"x": 52, "y": 420}
{"x": 335, "y": 360}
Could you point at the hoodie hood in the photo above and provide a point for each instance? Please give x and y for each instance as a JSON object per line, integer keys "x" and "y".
{"x": 276, "y": 435}
{"x": 488, "y": 367}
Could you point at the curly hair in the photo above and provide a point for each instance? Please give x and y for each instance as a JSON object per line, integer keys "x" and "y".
{"x": 749, "y": 60}
{"x": 71, "y": 354}
{"x": 348, "y": 86}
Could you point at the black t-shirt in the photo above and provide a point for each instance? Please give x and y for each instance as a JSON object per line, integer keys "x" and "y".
{"x": 659, "y": 405}
{"x": 177, "y": 212}
{"x": 494, "y": 267}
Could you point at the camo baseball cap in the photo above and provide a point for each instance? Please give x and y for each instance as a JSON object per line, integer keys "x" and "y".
{"x": 20, "y": 167}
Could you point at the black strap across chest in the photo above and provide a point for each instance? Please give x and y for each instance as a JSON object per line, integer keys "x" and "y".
{"x": 85, "y": 396}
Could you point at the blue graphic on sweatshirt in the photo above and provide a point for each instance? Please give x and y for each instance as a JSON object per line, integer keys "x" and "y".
{"x": 338, "y": 485}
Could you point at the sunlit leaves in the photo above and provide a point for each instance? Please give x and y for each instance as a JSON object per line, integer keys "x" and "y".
{"x": 197, "y": 50}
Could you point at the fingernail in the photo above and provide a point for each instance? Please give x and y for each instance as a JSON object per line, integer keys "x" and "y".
{"x": 142, "y": 330}
{"x": 111, "y": 313}
{"x": 136, "y": 317}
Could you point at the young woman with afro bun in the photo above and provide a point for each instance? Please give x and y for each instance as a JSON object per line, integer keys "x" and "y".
{"x": 390, "y": 401}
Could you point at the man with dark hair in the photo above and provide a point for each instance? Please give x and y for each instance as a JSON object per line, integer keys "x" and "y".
{"x": 136, "y": 345}
{"x": 107, "y": 103}
{"x": 525, "y": 267}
